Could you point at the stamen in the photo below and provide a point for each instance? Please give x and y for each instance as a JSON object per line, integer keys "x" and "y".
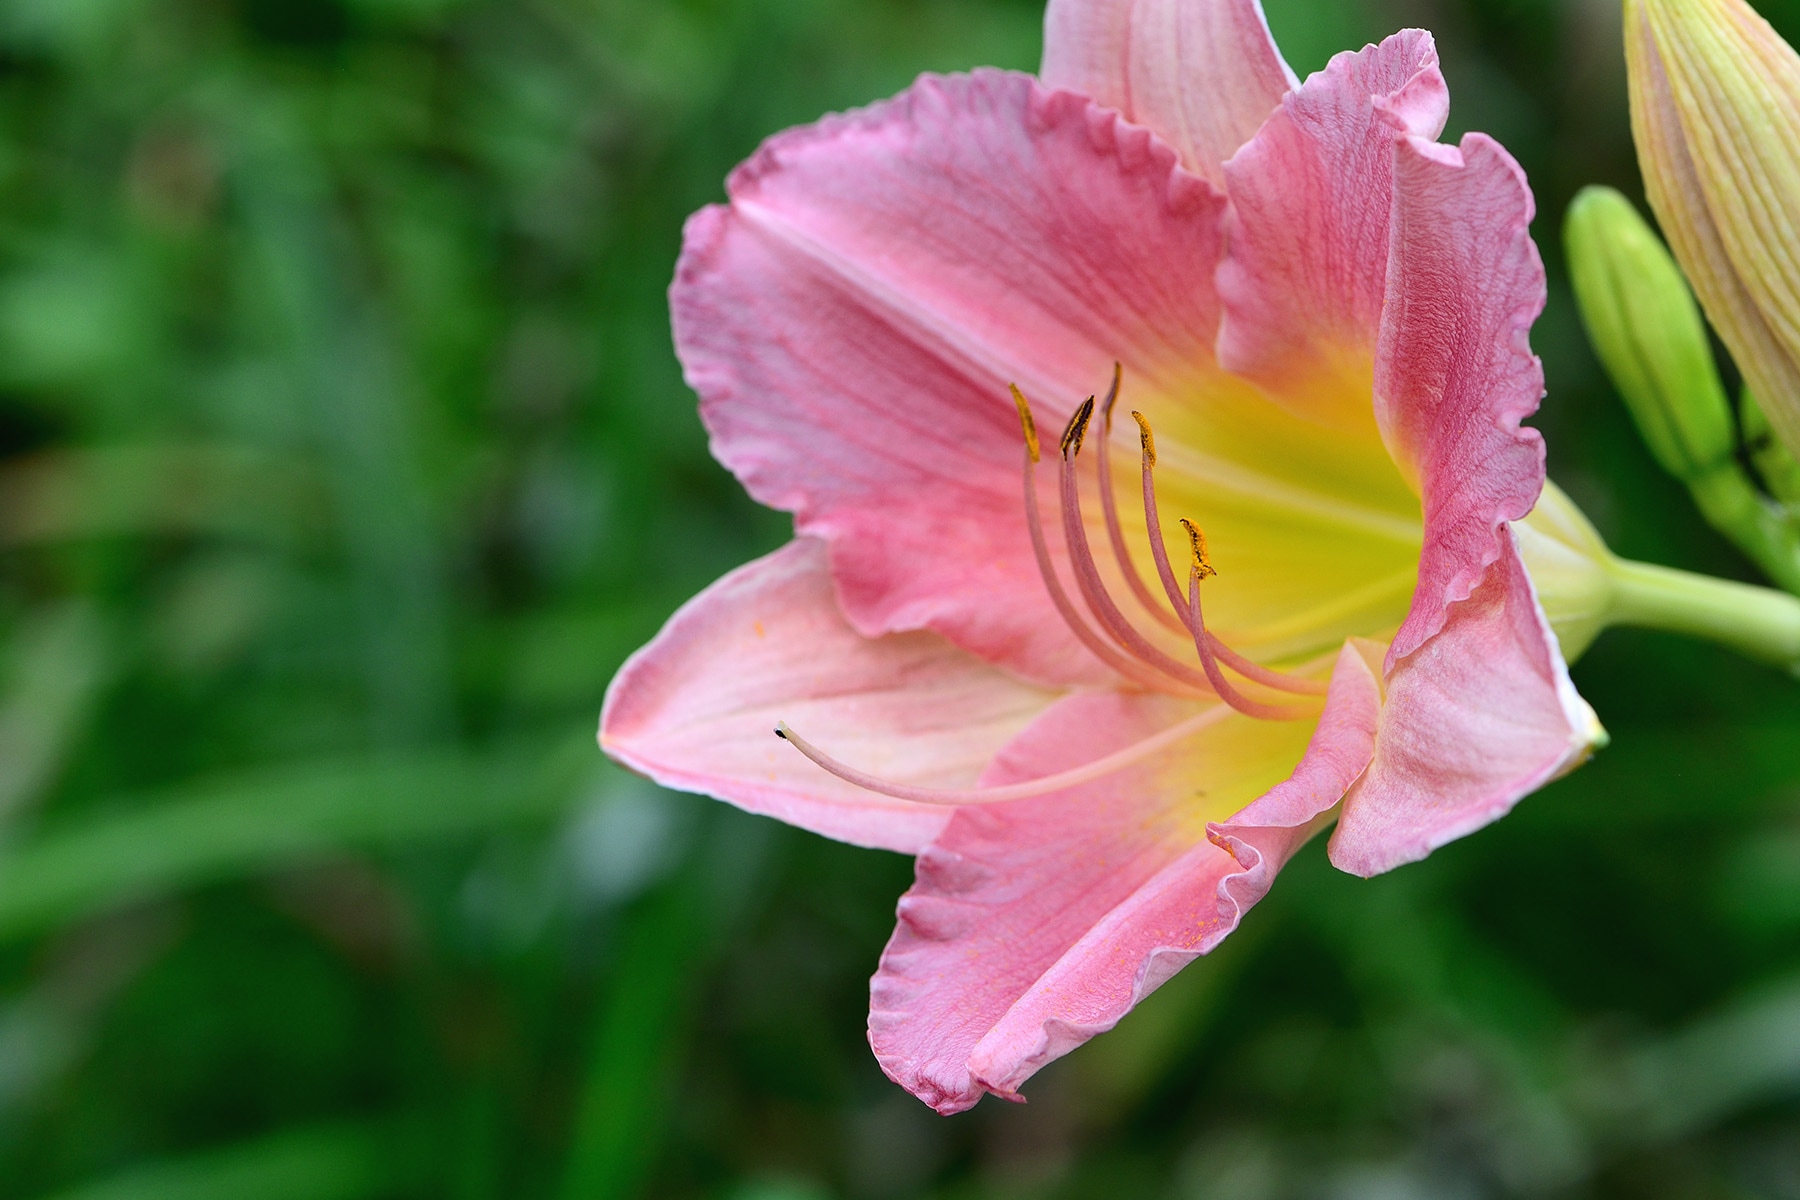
{"x": 1118, "y": 760}
{"x": 1077, "y": 430}
{"x": 1197, "y": 543}
{"x": 1109, "y": 504}
{"x": 1087, "y": 575}
{"x": 1112, "y": 393}
{"x": 1153, "y": 517}
{"x": 1248, "y": 668}
{"x": 1031, "y": 438}
{"x": 1146, "y": 439}
{"x": 1227, "y": 693}
{"x": 1097, "y": 645}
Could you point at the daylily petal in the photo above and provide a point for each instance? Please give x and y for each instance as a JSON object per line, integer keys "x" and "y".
{"x": 1305, "y": 276}
{"x": 1715, "y": 110}
{"x": 1189, "y": 906}
{"x": 1455, "y": 374}
{"x": 1035, "y": 925}
{"x": 1203, "y": 74}
{"x": 696, "y": 709}
{"x": 1480, "y": 715}
{"x": 1479, "y": 707}
{"x": 852, "y": 319}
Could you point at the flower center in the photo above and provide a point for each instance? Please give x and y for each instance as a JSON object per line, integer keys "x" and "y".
{"x": 1129, "y": 651}
{"x": 1105, "y": 628}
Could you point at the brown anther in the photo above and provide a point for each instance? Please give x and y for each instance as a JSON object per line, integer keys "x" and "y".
{"x": 1112, "y": 395}
{"x": 1197, "y": 543}
{"x": 1031, "y": 438}
{"x": 1077, "y": 430}
{"x": 1145, "y": 438}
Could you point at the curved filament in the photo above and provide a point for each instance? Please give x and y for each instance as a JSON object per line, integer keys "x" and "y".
{"x": 1093, "y": 588}
{"x": 1101, "y": 649}
{"x": 1227, "y": 693}
{"x": 1248, "y": 668}
{"x": 1115, "y": 531}
{"x": 1118, "y": 760}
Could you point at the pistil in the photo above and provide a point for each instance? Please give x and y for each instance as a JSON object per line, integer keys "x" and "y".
{"x": 1099, "y": 768}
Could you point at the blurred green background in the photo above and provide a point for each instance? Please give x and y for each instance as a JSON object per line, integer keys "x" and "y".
{"x": 343, "y": 458}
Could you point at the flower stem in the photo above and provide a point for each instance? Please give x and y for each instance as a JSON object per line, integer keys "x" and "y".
{"x": 1757, "y": 622}
{"x": 1763, "y": 529}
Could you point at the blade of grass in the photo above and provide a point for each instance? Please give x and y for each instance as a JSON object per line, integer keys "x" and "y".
{"x": 341, "y": 1162}
{"x": 311, "y": 279}
{"x": 206, "y": 833}
{"x": 60, "y": 664}
{"x": 1745, "y": 1054}
{"x": 633, "y": 1052}
{"x": 671, "y": 938}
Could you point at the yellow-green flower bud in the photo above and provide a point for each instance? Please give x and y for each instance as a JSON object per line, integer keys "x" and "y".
{"x": 1647, "y": 330}
{"x": 1715, "y": 111}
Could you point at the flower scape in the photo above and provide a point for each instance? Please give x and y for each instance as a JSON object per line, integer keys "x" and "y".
{"x": 1274, "y": 574}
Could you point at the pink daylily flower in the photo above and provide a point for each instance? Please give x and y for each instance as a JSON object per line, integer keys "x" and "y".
{"x": 1321, "y": 315}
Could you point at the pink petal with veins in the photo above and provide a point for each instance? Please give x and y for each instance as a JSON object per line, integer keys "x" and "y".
{"x": 1454, "y": 372}
{"x": 696, "y": 708}
{"x": 1203, "y": 74}
{"x": 852, "y": 319}
{"x": 1034, "y": 926}
{"x": 1479, "y": 710}
{"x": 1480, "y": 715}
{"x": 1311, "y": 196}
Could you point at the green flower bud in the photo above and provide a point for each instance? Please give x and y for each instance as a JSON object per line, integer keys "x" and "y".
{"x": 1646, "y": 328}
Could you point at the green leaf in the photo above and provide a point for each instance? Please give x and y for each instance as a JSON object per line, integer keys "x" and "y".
{"x": 210, "y": 832}
{"x": 327, "y": 1163}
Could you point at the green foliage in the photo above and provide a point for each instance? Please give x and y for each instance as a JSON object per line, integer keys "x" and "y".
{"x": 310, "y": 1164}
{"x": 343, "y": 458}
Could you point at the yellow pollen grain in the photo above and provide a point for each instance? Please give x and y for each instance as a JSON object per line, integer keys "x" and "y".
{"x": 1077, "y": 430}
{"x": 1145, "y": 438}
{"x": 1031, "y": 438}
{"x": 1197, "y": 544}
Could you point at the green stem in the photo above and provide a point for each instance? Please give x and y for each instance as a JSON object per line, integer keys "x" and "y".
{"x": 1757, "y": 622}
{"x": 1762, "y": 529}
